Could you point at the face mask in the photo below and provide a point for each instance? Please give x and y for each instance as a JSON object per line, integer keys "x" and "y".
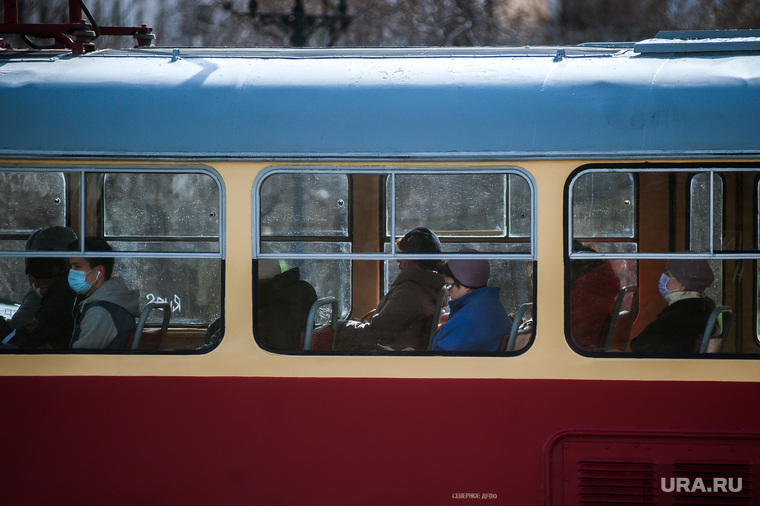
{"x": 663, "y": 285}
{"x": 77, "y": 280}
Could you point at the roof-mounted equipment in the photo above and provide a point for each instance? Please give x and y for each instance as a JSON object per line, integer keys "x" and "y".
{"x": 77, "y": 35}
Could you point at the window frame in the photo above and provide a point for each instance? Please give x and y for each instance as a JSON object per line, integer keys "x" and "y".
{"x": 390, "y": 171}
{"x": 713, "y": 170}
{"x": 77, "y": 208}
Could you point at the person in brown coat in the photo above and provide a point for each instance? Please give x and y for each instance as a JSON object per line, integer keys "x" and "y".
{"x": 403, "y": 317}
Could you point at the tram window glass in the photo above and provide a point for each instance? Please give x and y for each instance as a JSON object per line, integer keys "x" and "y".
{"x": 164, "y": 230}
{"x": 603, "y": 205}
{"x": 179, "y": 207}
{"x": 347, "y": 252}
{"x": 42, "y": 198}
{"x": 672, "y": 219}
{"x": 474, "y": 204}
{"x": 757, "y": 263}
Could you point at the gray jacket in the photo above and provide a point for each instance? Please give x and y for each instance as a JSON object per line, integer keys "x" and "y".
{"x": 97, "y": 330}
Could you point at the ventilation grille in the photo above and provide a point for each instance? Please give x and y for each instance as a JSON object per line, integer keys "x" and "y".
{"x": 653, "y": 468}
{"x": 608, "y": 482}
{"x": 714, "y": 484}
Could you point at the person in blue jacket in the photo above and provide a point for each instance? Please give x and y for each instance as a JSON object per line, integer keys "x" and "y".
{"x": 477, "y": 319}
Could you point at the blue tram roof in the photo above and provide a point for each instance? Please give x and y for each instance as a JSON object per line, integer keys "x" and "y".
{"x": 658, "y": 98}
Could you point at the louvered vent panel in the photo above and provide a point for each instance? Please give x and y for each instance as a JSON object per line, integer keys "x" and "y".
{"x": 736, "y": 492}
{"x": 611, "y": 482}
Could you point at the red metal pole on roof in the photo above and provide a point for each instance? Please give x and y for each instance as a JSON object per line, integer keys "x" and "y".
{"x": 75, "y": 12}
{"x": 10, "y": 10}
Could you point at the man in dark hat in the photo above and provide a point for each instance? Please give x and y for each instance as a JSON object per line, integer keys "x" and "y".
{"x": 47, "y": 239}
{"x": 403, "y": 317}
{"x": 44, "y": 319}
{"x": 678, "y": 327}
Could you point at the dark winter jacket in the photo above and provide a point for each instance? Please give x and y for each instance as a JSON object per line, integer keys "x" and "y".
{"x": 53, "y": 322}
{"x": 284, "y": 303}
{"x": 402, "y": 318}
{"x": 678, "y": 327}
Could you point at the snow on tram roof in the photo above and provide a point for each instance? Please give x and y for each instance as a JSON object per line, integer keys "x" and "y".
{"x": 597, "y": 100}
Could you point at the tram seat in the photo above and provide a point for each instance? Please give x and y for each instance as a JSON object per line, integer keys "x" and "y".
{"x": 436, "y": 319}
{"x": 510, "y": 340}
{"x": 710, "y": 342}
{"x": 322, "y": 338}
{"x": 616, "y": 331}
{"x": 213, "y": 333}
{"x": 150, "y": 339}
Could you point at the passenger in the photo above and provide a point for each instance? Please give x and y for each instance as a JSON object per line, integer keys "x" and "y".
{"x": 403, "y": 317}
{"x": 477, "y": 319}
{"x": 105, "y": 316}
{"x": 284, "y": 303}
{"x": 47, "y": 239}
{"x": 679, "y": 326}
{"x": 594, "y": 288}
{"x": 52, "y": 323}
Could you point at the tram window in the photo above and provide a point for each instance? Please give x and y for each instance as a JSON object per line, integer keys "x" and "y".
{"x": 670, "y": 220}
{"x": 335, "y": 226}
{"x": 164, "y": 231}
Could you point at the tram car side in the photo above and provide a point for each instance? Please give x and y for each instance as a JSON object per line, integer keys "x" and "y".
{"x": 301, "y": 233}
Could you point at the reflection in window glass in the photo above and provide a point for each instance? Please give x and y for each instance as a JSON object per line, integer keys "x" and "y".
{"x": 655, "y": 294}
{"x": 354, "y": 263}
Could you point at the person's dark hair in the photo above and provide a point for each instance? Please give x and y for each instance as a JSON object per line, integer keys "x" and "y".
{"x": 96, "y": 244}
{"x": 421, "y": 240}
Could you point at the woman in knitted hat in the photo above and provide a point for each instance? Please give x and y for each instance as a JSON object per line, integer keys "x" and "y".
{"x": 679, "y": 326}
{"x": 477, "y": 319}
{"x": 403, "y": 317}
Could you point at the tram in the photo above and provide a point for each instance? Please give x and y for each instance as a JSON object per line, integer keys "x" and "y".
{"x": 211, "y": 170}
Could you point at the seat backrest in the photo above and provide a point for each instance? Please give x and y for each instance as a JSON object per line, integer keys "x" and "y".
{"x": 710, "y": 325}
{"x": 213, "y": 332}
{"x": 509, "y": 339}
{"x": 436, "y": 315}
{"x": 139, "y": 331}
{"x": 307, "y": 339}
{"x": 620, "y": 323}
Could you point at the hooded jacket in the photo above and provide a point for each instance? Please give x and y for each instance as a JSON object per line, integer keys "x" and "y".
{"x": 96, "y": 326}
{"x": 477, "y": 322}
{"x": 402, "y": 318}
{"x": 284, "y": 304}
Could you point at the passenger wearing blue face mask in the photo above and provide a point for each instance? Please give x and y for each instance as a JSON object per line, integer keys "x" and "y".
{"x": 678, "y": 327}
{"x": 106, "y": 309}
